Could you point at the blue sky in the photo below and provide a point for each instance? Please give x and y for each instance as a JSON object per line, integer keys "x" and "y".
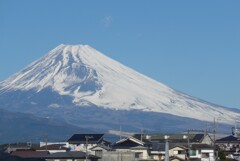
{"x": 191, "y": 46}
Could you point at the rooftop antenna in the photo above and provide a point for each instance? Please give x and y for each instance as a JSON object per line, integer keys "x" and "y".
{"x": 207, "y": 128}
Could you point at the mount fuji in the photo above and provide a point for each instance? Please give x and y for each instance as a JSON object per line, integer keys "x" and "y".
{"x": 80, "y": 85}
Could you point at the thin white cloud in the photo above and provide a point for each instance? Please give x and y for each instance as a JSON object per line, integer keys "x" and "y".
{"x": 107, "y": 21}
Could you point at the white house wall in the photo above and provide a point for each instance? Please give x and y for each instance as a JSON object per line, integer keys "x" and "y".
{"x": 207, "y": 140}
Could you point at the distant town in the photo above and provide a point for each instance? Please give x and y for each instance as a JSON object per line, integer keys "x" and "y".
{"x": 191, "y": 145}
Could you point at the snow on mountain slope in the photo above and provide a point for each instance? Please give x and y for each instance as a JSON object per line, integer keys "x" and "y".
{"x": 89, "y": 76}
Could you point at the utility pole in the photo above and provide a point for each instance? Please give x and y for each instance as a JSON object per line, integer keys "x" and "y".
{"x": 214, "y": 136}
{"x": 166, "y": 157}
{"x": 87, "y": 137}
{"x": 186, "y": 137}
{"x": 46, "y": 142}
{"x": 214, "y": 131}
{"x": 207, "y": 128}
{"x": 188, "y": 142}
{"x": 120, "y": 132}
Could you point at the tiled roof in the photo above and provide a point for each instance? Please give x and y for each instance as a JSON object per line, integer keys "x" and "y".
{"x": 161, "y": 146}
{"x": 81, "y": 138}
{"x": 197, "y": 138}
{"x": 30, "y": 154}
{"x": 229, "y": 138}
{"x": 7, "y": 157}
{"x": 125, "y": 144}
{"x": 201, "y": 146}
{"x": 105, "y": 142}
{"x": 69, "y": 155}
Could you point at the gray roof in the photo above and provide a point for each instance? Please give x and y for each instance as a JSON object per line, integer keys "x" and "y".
{"x": 176, "y": 138}
{"x": 161, "y": 146}
{"x": 30, "y": 154}
{"x": 229, "y": 138}
{"x": 8, "y": 157}
{"x": 125, "y": 145}
{"x": 201, "y": 146}
{"x": 81, "y": 138}
{"x": 69, "y": 155}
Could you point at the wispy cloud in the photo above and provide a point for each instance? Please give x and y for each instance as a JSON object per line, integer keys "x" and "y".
{"x": 107, "y": 21}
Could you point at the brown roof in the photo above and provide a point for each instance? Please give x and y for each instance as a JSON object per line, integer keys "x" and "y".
{"x": 30, "y": 154}
{"x": 70, "y": 155}
{"x": 53, "y": 147}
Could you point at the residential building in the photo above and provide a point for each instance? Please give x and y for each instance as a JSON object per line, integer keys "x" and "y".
{"x": 203, "y": 152}
{"x": 178, "y": 152}
{"x": 183, "y": 138}
{"x": 71, "y": 156}
{"x": 229, "y": 143}
{"x": 132, "y": 145}
{"x": 53, "y": 148}
{"x": 230, "y": 146}
{"x": 182, "y": 141}
{"x": 83, "y": 142}
{"x": 99, "y": 150}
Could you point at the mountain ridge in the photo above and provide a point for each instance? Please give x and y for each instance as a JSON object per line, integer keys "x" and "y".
{"x": 88, "y": 77}
{"x": 30, "y": 128}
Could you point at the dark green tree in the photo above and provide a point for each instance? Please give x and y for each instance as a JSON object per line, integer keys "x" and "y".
{"x": 221, "y": 155}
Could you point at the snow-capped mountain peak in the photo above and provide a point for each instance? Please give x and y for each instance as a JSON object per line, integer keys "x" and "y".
{"x": 88, "y": 76}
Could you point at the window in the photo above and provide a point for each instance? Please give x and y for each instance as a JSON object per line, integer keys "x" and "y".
{"x": 175, "y": 152}
{"x": 192, "y": 152}
{"x": 205, "y": 155}
{"x": 138, "y": 155}
{"x": 181, "y": 152}
{"x": 98, "y": 153}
